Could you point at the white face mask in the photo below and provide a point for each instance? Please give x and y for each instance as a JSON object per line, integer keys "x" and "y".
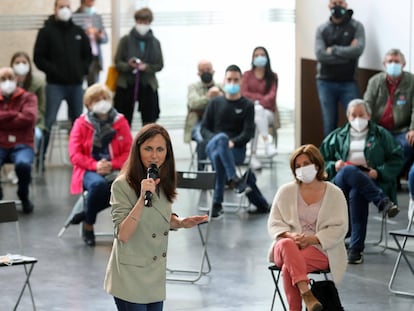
{"x": 306, "y": 174}
{"x": 102, "y": 107}
{"x": 359, "y": 124}
{"x": 64, "y": 14}
{"x": 142, "y": 29}
{"x": 21, "y": 69}
{"x": 8, "y": 87}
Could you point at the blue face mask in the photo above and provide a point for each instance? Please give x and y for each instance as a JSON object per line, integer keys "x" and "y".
{"x": 90, "y": 10}
{"x": 260, "y": 61}
{"x": 232, "y": 88}
{"x": 393, "y": 69}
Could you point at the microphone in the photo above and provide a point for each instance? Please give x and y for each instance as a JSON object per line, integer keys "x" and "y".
{"x": 152, "y": 172}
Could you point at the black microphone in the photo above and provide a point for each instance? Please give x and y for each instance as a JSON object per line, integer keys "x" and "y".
{"x": 152, "y": 172}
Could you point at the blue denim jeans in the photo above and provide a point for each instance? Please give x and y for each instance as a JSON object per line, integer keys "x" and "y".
{"x": 359, "y": 190}
{"x": 224, "y": 161}
{"x": 330, "y": 94}
{"x": 408, "y": 151}
{"x": 411, "y": 182}
{"x": 123, "y": 305}
{"x": 55, "y": 93}
{"x": 99, "y": 191}
{"x": 22, "y": 157}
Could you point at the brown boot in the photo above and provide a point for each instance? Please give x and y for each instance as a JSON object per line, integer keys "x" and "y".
{"x": 312, "y": 304}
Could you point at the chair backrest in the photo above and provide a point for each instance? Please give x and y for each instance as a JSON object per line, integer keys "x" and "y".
{"x": 8, "y": 213}
{"x": 203, "y": 180}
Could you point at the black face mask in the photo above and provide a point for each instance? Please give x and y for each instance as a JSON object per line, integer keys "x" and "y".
{"x": 206, "y": 77}
{"x": 338, "y": 11}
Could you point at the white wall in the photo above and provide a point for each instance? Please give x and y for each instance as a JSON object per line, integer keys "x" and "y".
{"x": 388, "y": 24}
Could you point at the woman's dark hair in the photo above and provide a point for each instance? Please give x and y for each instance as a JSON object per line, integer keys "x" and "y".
{"x": 29, "y": 75}
{"x": 269, "y": 75}
{"x": 314, "y": 156}
{"x": 135, "y": 171}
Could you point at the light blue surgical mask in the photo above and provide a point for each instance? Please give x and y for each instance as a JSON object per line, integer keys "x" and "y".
{"x": 260, "y": 61}
{"x": 232, "y": 88}
{"x": 90, "y": 10}
{"x": 393, "y": 69}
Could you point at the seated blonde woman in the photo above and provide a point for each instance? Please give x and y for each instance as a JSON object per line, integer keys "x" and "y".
{"x": 99, "y": 144}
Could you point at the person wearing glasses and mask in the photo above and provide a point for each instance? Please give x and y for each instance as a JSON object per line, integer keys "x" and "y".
{"x": 99, "y": 144}
{"x": 18, "y": 116}
{"x": 363, "y": 159}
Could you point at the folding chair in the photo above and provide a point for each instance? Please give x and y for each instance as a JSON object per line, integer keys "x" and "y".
{"x": 8, "y": 213}
{"x": 204, "y": 182}
{"x": 76, "y": 209}
{"x": 382, "y": 237}
{"x": 276, "y": 271}
{"x": 402, "y": 252}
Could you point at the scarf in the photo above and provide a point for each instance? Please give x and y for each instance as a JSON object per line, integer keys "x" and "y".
{"x": 104, "y": 132}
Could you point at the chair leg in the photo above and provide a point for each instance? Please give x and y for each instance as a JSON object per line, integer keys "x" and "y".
{"x": 277, "y": 290}
{"x": 26, "y": 283}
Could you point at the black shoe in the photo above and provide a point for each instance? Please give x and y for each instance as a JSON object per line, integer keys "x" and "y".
{"x": 239, "y": 186}
{"x": 77, "y": 218}
{"x": 1, "y": 193}
{"x": 217, "y": 211}
{"x": 388, "y": 207}
{"x": 27, "y": 206}
{"x": 88, "y": 236}
{"x": 355, "y": 257}
{"x": 260, "y": 210}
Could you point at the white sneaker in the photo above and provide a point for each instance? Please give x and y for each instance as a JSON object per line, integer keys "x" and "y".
{"x": 270, "y": 149}
{"x": 255, "y": 163}
{"x": 12, "y": 177}
{"x": 410, "y": 209}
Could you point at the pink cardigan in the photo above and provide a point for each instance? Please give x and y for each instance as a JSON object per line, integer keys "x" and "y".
{"x": 80, "y": 148}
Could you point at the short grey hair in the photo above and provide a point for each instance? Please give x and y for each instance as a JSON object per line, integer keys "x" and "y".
{"x": 396, "y": 52}
{"x": 358, "y": 102}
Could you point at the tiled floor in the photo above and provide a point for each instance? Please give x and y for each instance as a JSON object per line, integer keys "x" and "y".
{"x": 69, "y": 275}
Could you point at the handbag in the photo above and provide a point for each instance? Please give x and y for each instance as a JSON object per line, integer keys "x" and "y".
{"x": 112, "y": 78}
{"x": 327, "y": 294}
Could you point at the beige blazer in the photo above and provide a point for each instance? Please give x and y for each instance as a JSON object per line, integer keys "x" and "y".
{"x": 331, "y": 225}
{"x": 136, "y": 270}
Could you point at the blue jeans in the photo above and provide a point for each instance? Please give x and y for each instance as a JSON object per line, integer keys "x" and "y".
{"x": 411, "y": 182}
{"x": 330, "y": 93}
{"x": 22, "y": 157}
{"x": 224, "y": 161}
{"x": 359, "y": 190}
{"x": 99, "y": 191}
{"x": 123, "y": 305}
{"x": 408, "y": 151}
{"x": 55, "y": 93}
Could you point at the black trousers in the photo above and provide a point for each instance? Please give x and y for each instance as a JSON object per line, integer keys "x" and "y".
{"x": 148, "y": 103}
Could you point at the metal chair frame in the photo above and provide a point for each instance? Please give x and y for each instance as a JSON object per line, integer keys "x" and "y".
{"x": 8, "y": 213}
{"x": 402, "y": 253}
{"x": 275, "y": 272}
{"x": 203, "y": 181}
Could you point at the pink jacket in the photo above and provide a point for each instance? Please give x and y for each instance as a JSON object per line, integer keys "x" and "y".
{"x": 18, "y": 117}
{"x": 80, "y": 148}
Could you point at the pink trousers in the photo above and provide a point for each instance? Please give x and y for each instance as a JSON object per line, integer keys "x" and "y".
{"x": 296, "y": 264}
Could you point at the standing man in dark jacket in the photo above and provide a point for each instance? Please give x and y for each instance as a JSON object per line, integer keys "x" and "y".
{"x": 18, "y": 116}
{"x": 339, "y": 43}
{"x": 62, "y": 51}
